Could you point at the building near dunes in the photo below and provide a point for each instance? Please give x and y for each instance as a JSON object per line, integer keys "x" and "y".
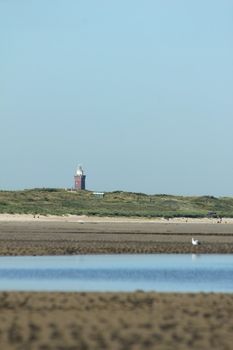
{"x": 79, "y": 179}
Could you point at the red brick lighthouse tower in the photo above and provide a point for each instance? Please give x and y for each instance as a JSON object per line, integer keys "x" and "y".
{"x": 79, "y": 179}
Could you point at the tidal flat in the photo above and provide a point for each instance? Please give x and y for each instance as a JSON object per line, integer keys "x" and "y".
{"x": 65, "y": 237}
{"x": 137, "y": 320}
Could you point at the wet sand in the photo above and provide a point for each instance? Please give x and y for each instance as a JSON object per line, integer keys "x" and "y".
{"x": 73, "y": 321}
{"x": 124, "y": 321}
{"x": 39, "y": 237}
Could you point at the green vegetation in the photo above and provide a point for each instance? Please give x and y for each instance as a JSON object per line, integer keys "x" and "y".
{"x": 61, "y": 202}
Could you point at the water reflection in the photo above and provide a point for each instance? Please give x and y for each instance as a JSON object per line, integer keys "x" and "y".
{"x": 195, "y": 256}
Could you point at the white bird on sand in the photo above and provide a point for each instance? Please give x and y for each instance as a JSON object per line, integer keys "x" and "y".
{"x": 195, "y": 241}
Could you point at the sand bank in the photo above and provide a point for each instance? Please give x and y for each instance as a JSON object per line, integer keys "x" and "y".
{"x": 70, "y": 321}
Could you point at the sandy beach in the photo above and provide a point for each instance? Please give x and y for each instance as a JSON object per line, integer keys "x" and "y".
{"x": 109, "y": 219}
{"x": 124, "y": 321}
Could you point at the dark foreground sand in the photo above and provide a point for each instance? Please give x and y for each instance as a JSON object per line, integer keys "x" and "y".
{"x": 45, "y": 238}
{"x": 70, "y": 321}
{"x": 124, "y": 321}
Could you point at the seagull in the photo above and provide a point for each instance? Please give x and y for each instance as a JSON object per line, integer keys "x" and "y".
{"x": 195, "y": 241}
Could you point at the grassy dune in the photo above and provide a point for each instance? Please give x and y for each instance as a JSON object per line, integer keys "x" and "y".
{"x": 63, "y": 202}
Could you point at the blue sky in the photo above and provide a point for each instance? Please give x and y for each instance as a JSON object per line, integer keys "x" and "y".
{"x": 138, "y": 92}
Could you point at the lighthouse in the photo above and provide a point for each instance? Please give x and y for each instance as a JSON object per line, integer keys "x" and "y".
{"x": 79, "y": 179}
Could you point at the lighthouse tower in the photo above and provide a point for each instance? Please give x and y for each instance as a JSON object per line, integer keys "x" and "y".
{"x": 79, "y": 179}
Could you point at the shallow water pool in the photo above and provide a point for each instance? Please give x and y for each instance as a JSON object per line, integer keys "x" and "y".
{"x": 147, "y": 272}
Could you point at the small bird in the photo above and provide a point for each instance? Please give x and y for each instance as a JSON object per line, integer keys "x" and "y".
{"x": 195, "y": 241}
